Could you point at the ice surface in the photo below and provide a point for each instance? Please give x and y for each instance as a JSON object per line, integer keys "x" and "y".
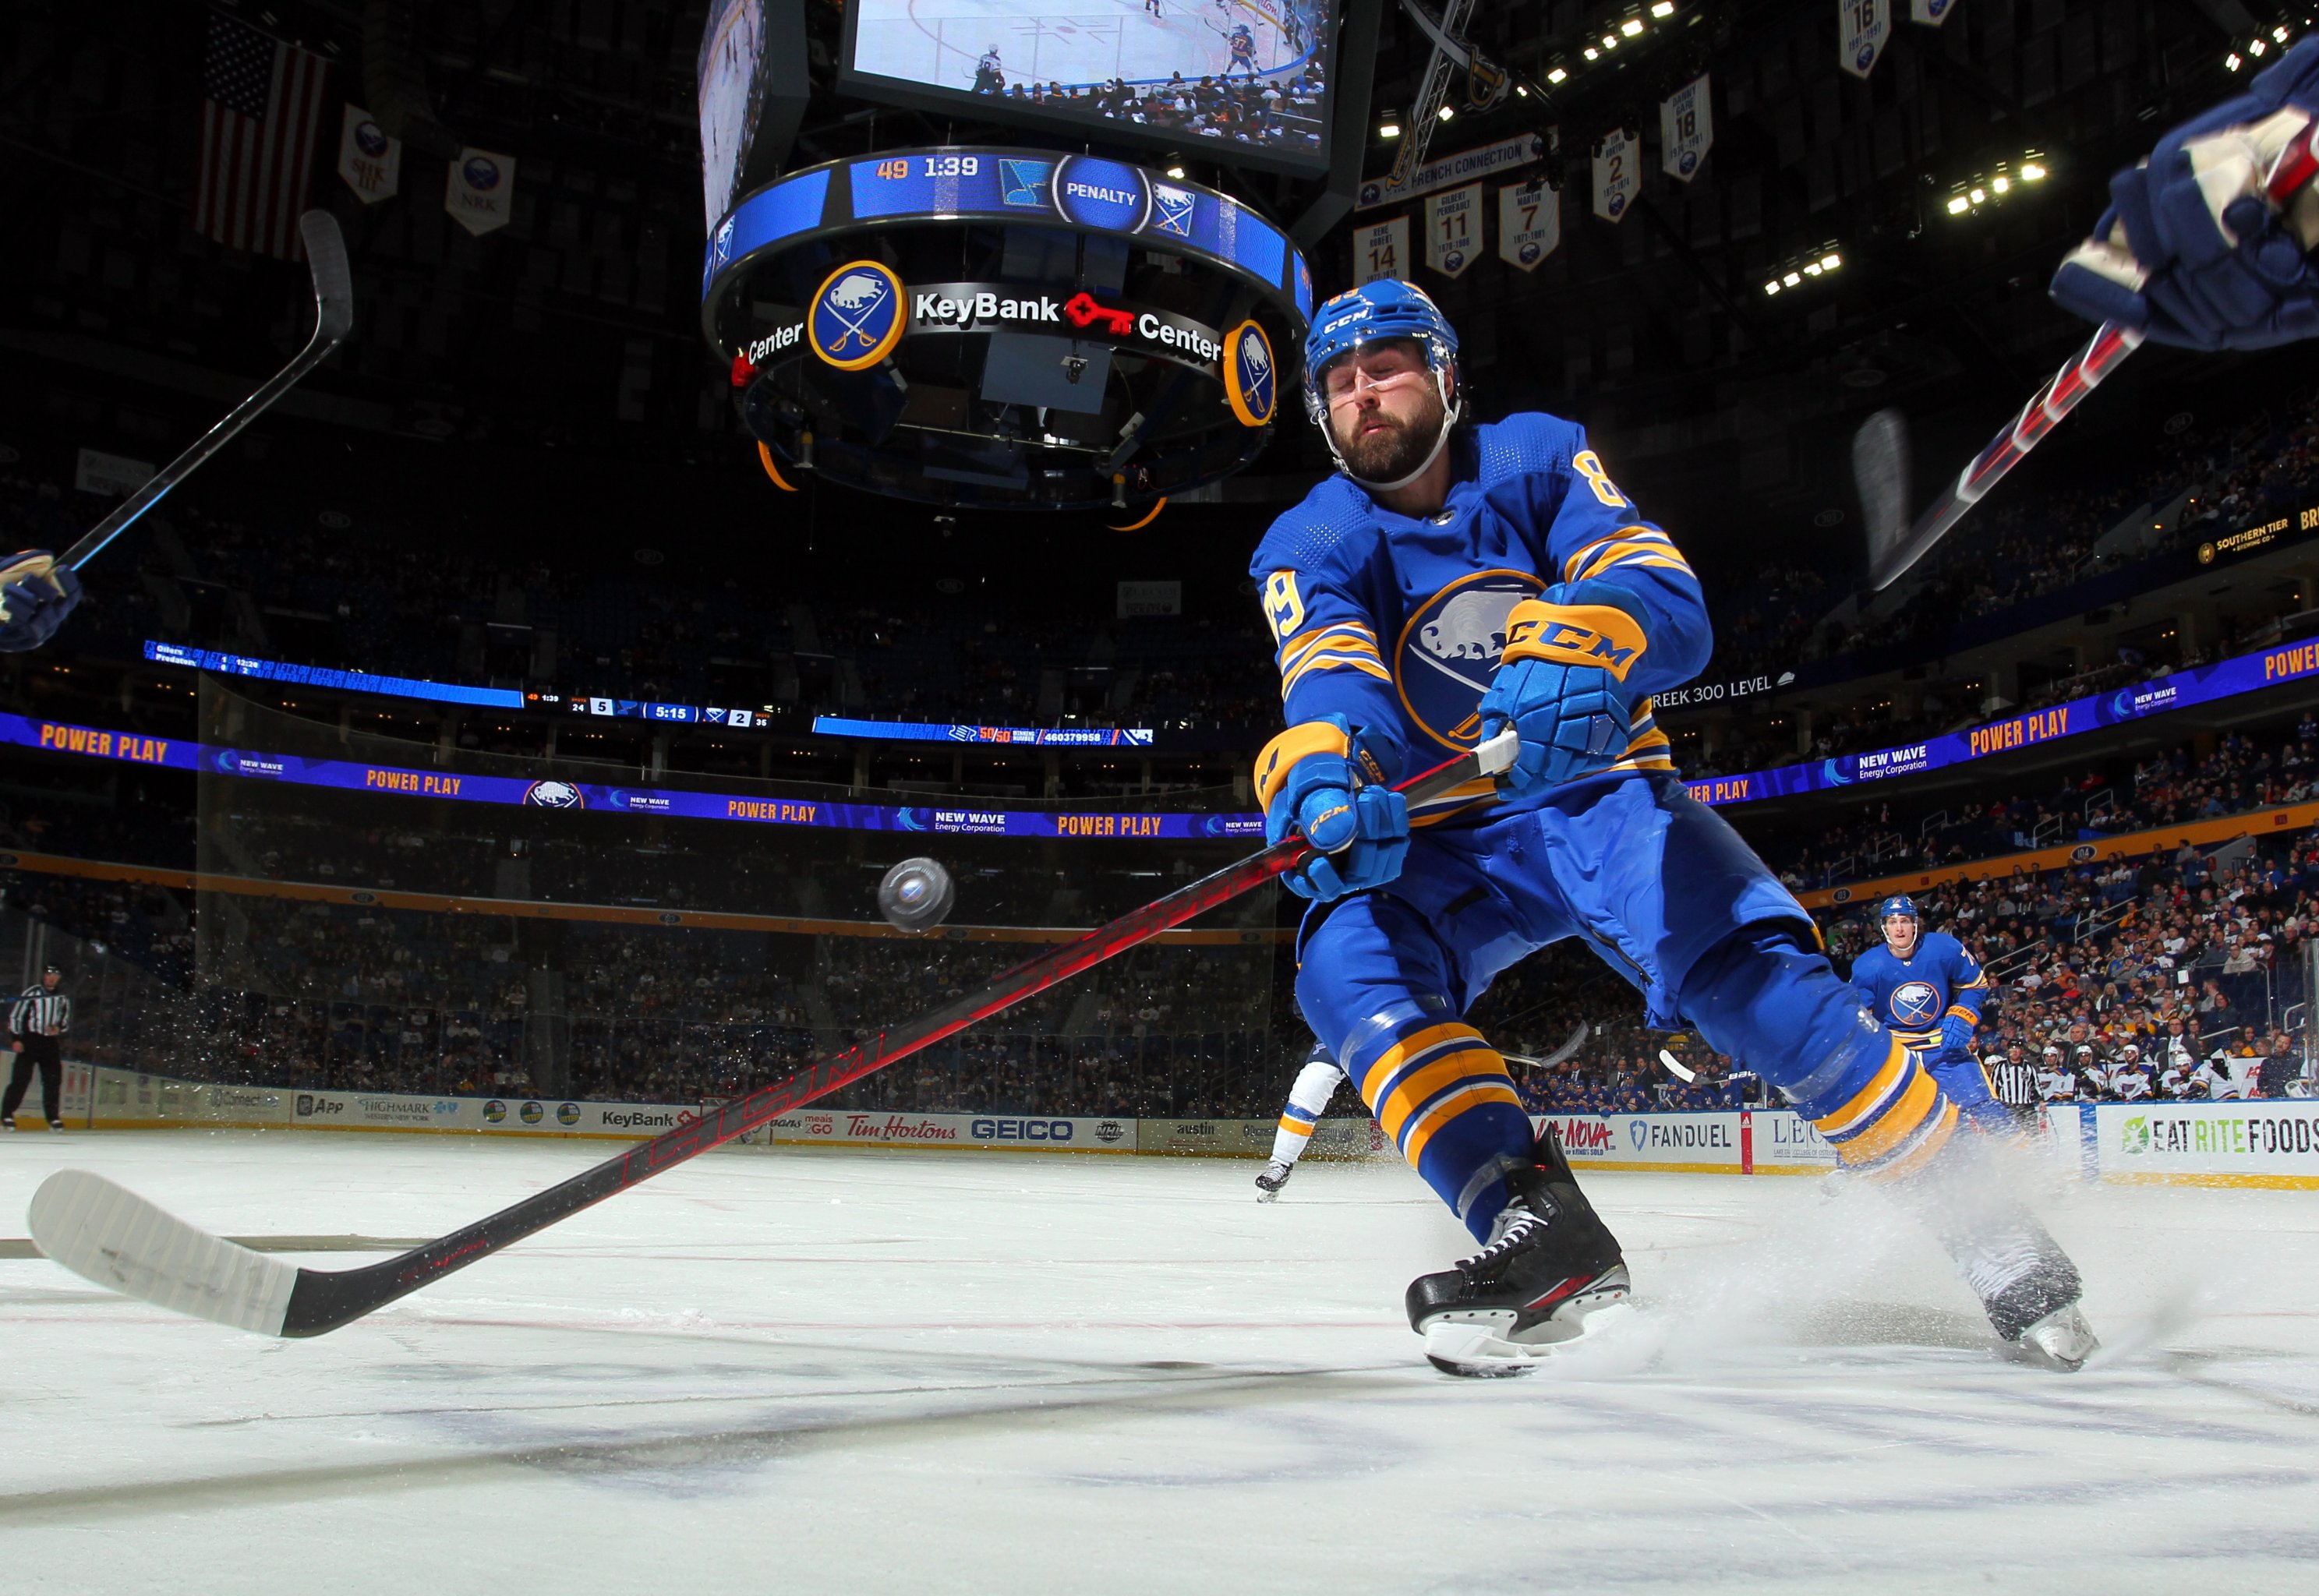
{"x": 940, "y": 42}
{"x": 921, "y": 1371}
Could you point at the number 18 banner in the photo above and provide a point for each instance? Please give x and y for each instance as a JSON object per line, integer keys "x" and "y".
{"x": 1529, "y": 224}
{"x": 1379, "y": 250}
{"x": 1453, "y": 230}
{"x": 1686, "y": 130}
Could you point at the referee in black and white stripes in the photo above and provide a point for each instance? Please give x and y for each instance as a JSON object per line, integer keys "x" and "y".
{"x": 2014, "y": 1083}
{"x": 37, "y": 1022}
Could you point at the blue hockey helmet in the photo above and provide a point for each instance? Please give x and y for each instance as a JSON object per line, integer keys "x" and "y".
{"x": 1897, "y": 904}
{"x": 1385, "y": 309}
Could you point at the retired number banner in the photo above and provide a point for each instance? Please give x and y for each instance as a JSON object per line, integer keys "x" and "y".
{"x": 1381, "y": 250}
{"x": 1616, "y": 174}
{"x": 1866, "y": 26}
{"x": 1686, "y": 130}
{"x": 1453, "y": 230}
{"x": 1530, "y": 222}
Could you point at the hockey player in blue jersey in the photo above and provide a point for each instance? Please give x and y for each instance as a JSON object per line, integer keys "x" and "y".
{"x": 1926, "y": 989}
{"x": 1453, "y": 580}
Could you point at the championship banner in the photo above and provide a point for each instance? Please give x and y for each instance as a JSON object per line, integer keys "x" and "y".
{"x": 1450, "y": 170}
{"x": 1866, "y": 26}
{"x": 1616, "y": 174}
{"x": 480, "y": 194}
{"x": 1529, "y": 224}
{"x": 1380, "y": 250}
{"x": 369, "y": 162}
{"x": 1453, "y": 230}
{"x": 1686, "y": 130}
{"x": 1932, "y": 14}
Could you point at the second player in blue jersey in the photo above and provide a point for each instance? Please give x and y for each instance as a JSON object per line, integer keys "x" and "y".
{"x": 1927, "y": 990}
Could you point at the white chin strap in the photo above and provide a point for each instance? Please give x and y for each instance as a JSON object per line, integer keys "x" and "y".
{"x": 1449, "y": 414}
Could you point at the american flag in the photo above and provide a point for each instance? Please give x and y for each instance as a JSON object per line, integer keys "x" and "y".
{"x": 258, "y": 123}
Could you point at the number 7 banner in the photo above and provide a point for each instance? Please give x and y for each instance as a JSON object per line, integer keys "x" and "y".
{"x": 1453, "y": 230}
{"x": 1529, "y": 224}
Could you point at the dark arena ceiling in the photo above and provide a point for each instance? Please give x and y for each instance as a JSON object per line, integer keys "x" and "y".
{"x": 574, "y": 330}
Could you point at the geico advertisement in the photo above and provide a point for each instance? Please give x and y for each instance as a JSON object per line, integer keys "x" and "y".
{"x": 2260, "y": 1139}
{"x": 841, "y": 1127}
{"x": 390, "y": 1111}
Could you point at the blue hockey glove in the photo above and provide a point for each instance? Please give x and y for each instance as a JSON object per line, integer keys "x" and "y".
{"x": 1956, "y": 1035}
{"x": 36, "y": 594}
{"x": 2190, "y": 251}
{"x": 1561, "y": 684}
{"x": 1319, "y": 781}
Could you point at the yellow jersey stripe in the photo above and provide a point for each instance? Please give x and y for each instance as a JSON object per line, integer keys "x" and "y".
{"x": 1892, "y": 1126}
{"x": 1334, "y": 662}
{"x": 1348, "y": 636}
{"x": 1497, "y": 1088}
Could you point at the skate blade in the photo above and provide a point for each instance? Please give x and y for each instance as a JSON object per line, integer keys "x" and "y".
{"x": 1265, "y": 1196}
{"x": 1479, "y": 1348}
{"x": 2061, "y": 1341}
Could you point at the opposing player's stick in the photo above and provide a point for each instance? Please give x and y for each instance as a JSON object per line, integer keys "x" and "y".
{"x": 334, "y": 318}
{"x": 1570, "y": 1044}
{"x": 1880, "y": 450}
{"x": 120, "y": 1240}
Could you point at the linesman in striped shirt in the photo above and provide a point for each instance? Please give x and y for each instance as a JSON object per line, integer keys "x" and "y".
{"x": 37, "y": 1022}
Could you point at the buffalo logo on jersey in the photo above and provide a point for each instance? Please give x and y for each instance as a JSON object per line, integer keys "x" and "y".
{"x": 1449, "y": 648}
{"x": 1916, "y": 1005}
{"x": 855, "y": 318}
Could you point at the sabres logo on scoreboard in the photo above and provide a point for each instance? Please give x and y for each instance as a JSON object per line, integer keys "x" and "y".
{"x": 1449, "y": 650}
{"x": 857, "y": 316}
{"x": 1250, "y": 374}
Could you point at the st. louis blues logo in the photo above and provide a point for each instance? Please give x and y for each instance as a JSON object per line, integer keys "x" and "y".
{"x": 1449, "y": 649}
{"x": 855, "y": 318}
{"x": 1250, "y": 376}
{"x": 1916, "y": 1005}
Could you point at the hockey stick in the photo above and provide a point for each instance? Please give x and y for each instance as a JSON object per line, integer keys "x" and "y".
{"x": 120, "y": 1240}
{"x": 1879, "y": 448}
{"x": 334, "y": 318}
{"x": 1570, "y": 1044}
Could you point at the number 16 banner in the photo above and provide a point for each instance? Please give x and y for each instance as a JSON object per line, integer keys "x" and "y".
{"x": 1453, "y": 230}
{"x": 1529, "y": 224}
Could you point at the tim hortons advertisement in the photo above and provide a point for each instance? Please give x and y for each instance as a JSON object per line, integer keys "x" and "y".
{"x": 2273, "y": 1143}
{"x": 842, "y": 1127}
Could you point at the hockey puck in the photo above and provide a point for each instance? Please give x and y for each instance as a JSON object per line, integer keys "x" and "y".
{"x": 915, "y": 895}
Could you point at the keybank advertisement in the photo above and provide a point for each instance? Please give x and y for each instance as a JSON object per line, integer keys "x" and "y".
{"x": 2267, "y": 1143}
{"x": 2249, "y": 672}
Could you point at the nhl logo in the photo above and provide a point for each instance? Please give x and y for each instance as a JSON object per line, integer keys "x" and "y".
{"x": 855, "y": 318}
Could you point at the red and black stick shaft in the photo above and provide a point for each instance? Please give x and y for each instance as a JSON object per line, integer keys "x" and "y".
{"x": 324, "y": 1299}
{"x": 2295, "y": 168}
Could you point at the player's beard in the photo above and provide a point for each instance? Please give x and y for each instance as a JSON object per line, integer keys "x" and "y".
{"x": 1400, "y": 449}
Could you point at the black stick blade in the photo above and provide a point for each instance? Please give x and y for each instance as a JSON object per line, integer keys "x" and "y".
{"x": 334, "y": 278}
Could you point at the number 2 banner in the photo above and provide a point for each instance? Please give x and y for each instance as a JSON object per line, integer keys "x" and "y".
{"x": 1617, "y": 173}
{"x": 1453, "y": 230}
{"x": 1529, "y": 224}
{"x": 1380, "y": 250}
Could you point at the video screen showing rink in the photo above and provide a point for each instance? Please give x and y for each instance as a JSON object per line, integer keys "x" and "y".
{"x": 1157, "y": 65}
{"x": 853, "y": 1369}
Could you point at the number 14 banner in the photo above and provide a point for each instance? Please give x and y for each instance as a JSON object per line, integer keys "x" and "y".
{"x": 1379, "y": 250}
{"x": 1453, "y": 230}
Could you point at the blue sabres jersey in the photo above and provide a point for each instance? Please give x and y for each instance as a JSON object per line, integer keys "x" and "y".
{"x": 1912, "y": 996}
{"x": 1397, "y": 622}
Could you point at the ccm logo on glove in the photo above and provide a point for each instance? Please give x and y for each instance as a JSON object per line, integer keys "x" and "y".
{"x": 1596, "y": 634}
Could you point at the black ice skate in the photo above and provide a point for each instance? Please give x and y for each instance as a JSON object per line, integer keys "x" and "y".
{"x": 2028, "y": 1286}
{"x": 1275, "y": 1176}
{"x": 1550, "y": 1264}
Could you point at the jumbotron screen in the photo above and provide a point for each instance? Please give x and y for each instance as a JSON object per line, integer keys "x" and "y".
{"x": 731, "y": 98}
{"x": 1241, "y": 81}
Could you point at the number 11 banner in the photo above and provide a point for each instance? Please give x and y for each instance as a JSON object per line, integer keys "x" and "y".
{"x": 1453, "y": 230}
{"x": 1529, "y": 224}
